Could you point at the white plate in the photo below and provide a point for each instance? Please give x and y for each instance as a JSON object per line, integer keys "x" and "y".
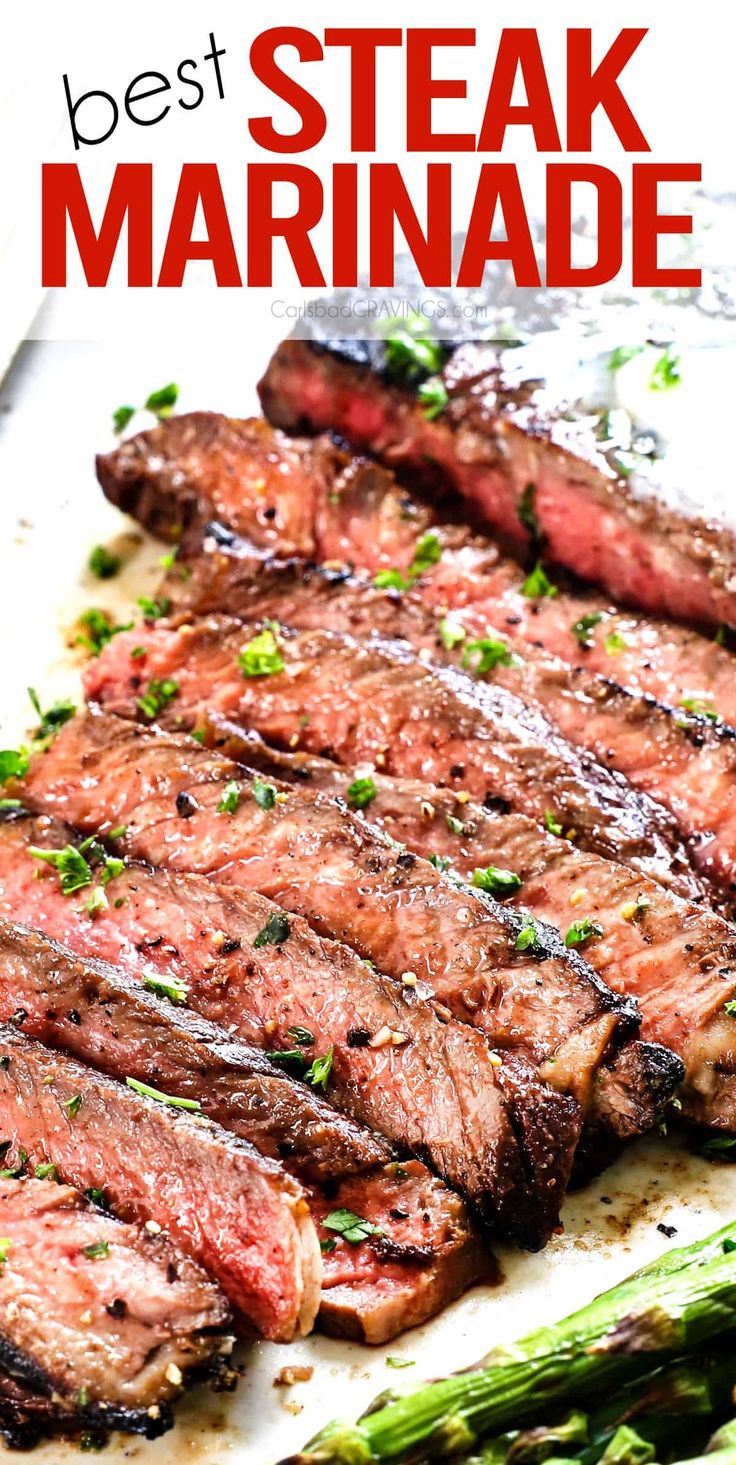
{"x": 55, "y": 415}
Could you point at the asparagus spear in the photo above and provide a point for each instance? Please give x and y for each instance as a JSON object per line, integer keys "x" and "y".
{"x": 678, "y": 1303}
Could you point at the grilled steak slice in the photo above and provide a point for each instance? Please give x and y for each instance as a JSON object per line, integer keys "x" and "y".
{"x": 441, "y": 1094}
{"x": 99, "y": 1320}
{"x": 663, "y": 755}
{"x": 225, "y": 1205}
{"x": 499, "y": 435}
{"x": 676, "y": 958}
{"x": 203, "y": 465}
{"x": 95, "y": 1012}
{"x": 474, "y": 968}
{"x": 383, "y": 702}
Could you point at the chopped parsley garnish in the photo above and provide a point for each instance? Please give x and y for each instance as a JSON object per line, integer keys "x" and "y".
{"x": 551, "y": 824}
{"x": 276, "y": 930}
{"x": 73, "y": 870}
{"x": 721, "y": 635}
{"x": 261, "y": 657}
{"x": 328, "y": 1245}
{"x": 410, "y": 357}
{"x": 118, "y": 831}
{"x": 172, "y": 1100}
{"x": 700, "y": 708}
{"x": 98, "y": 630}
{"x": 14, "y": 1173}
{"x": 441, "y": 862}
{"x": 587, "y": 623}
{"x": 614, "y": 643}
{"x": 302, "y": 1036}
{"x": 96, "y": 1195}
{"x": 496, "y": 881}
{"x": 103, "y": 564}
{"x": 485, "y": 654}
{"x": 47, "y": 1171}
{"x": 168, "y": 560}
{"x": 666, "y": 371}
{"x": 730, "y": 1009}
{"x": 528, "y": 937}
{"x": 51, "y": 721}
{"x": 361, "y": 792}
{"x": 526, "y": 512}
{"x": 454, "y": 825}
{"x": 13, "y": 763}
{"x": 171, "y": 987}
{"x": 154, "y": 610}
{"x": 433, "y": 396}
{"x": 720, "y": 1147}
{"x": 73, "y": 1105}
{"x": 351, "y": 1227}
{"x": 319, "y": 1071}
{"x": 264, "y": 794}
{"x": 538, "y": 585}
{"x": 97, "y": 1250}
{"x": 393, "y": 1361}
{"x": 427, "y": 552}
{"x": 157, "y": 695}
{"x": 581, "y": 931}
{"x": 96, "y": 901}
{"x": 122, "y": 416}
{"x": 621, "y": 354}
{"x": 137, "y": 653}
{"x": 5, "y": 1245}
{"x": 162, "y": 402}
{"x": 290, "y": 1057}
{"x": 8, "y": 805}
{"x": 450, "y": 633}
{"x": 230, "y": 798}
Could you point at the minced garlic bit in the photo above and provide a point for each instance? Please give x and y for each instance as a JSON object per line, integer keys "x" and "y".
{"x": 463, "y": 915}
{"x": 293, "y": 1373}
{"x": 427, "y": 809}
{"x": 578, "y": 896}
{"x": 495, "y": 1060}
{"x": 270, "y": 1026}
{"x": 174, "y": 1375}
{"x": 154, "y": 1411}
{"x": 293, "y": 740}
{"x": 86, "y": 1318}
{"x": 280, "y": 799}
{"x": 258, "y": 485}
{"x": 218, "y": 939}
{"x": 388, "y": 1036}
{"x": 462, "y": 796}
{"x": 409, "y": 979}
{"x": 153, "y": 1228}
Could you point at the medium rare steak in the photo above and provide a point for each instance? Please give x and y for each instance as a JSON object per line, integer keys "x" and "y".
{"x": 502, "y": 440}
{"x": 366, "y": 700}
{"x": 97, "y": 1013}
{"x": 100, "y": 1320}
{"x": 233, "y": 1211}
{"x": 493, "y": 1130}
{"x": 205, "y": 466}
{"x": 677, "y": 959}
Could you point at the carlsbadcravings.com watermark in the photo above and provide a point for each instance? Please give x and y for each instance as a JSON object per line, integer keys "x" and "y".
{"x": 378, "y": 309}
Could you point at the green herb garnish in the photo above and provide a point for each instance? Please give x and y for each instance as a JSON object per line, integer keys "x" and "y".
{"x": 614, "y": 643}
{"x": 433, "y": 396}
{"x": 154, "y": 610}
{"x": 302, "y": 1036}
{"x": 121, "y": 417}
{"x": 13, "y": 763}
{"x": 409, "y": 357}
{"x": 666, "y": 371}
{"x": 581, "y": 931}
{"x": 319, "y": 1071}
{"x": 392, "y": 1361}
{"x": 50, "y": 721}
{"x": 230, "y": 798}
{"x": 98, "y": 630}
{"x": 699, "y": 708}
{"x": 361, "y": 792}
{"x": 450, "y": 633}
{"x": 526, "y": 513}
{"x": 538, "y": 585}
{"x": 171, "y": 987}
{"x": 157, "y": 695}
{"x": 73, "y": 870}
{"x": 551, "y": 824}
{"x": 496, "y": 881}
{"x": 261, "y": 656}
{"x": 73, "y": 1105}
{"x": 587, "y": 623}
{"x": 486, "y": 654}
{"x": 162, "y": 402}
{"x": 442, "y": 862}
{"x": 172, "y": 1100}
{"x": 351, "y": 1227}
{"x": 621, "y": 354}
{"x": 97, "y": 1250}
{"x": 276, "y": 930}
{"x": 264, "y": 794}
{"x": 528, "y": 937}
{"x": 47, "y": 1171}
{"x": 103, "y": 564}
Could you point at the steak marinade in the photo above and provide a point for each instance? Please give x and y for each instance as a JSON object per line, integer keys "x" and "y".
{"x": 418, "y": 1260}
{"x": 495, "y": 1131}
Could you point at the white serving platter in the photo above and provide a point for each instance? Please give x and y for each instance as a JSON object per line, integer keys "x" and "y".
{"x": 55, "y": 411}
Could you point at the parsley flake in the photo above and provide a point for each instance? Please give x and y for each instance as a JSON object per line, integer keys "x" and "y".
{"x": 528, "y": 937}
{"x": 582, "y": 931}
{"x": 538, "y": 585}
{"x": 319, "y": 1071}
{"x": 582, "y": 628}
{"x": 450, "y": 633}
{"x": 433, "y": 396}
{"x": 230, "y": 798}
{"x": 361, "y": 792}
{"x": 350, "y": 1226}
{"x": 496, "y": 881}
{"x": 157, "y": 696}
{"x": 551, "y": 824}
{"x": 97, "y": 1250}
{"x": 264, "y": 794}
{"x": 98, "y": 630}
{"x": 172, "y": 1100}
{"x": 171, "y": 987}
{"x": 261, "y": 656}
{"x": 103, "y": 564}
{"x": 485, "y": 655}
{"x": 276, "y": 930}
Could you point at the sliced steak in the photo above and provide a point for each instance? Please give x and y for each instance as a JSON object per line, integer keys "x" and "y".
{"x": 440, "y": 1094}
{"x": 681, "y": 760}
{"x": 97, "y": 1013}
{"x": 233, "y": 1211}
{"x": 499, "y": 437}
{"x": 100, "y": 1321}
{"x": 360, "y": 515}
{"x": 378, "y": 700}
{"x": 677, "y": 959}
